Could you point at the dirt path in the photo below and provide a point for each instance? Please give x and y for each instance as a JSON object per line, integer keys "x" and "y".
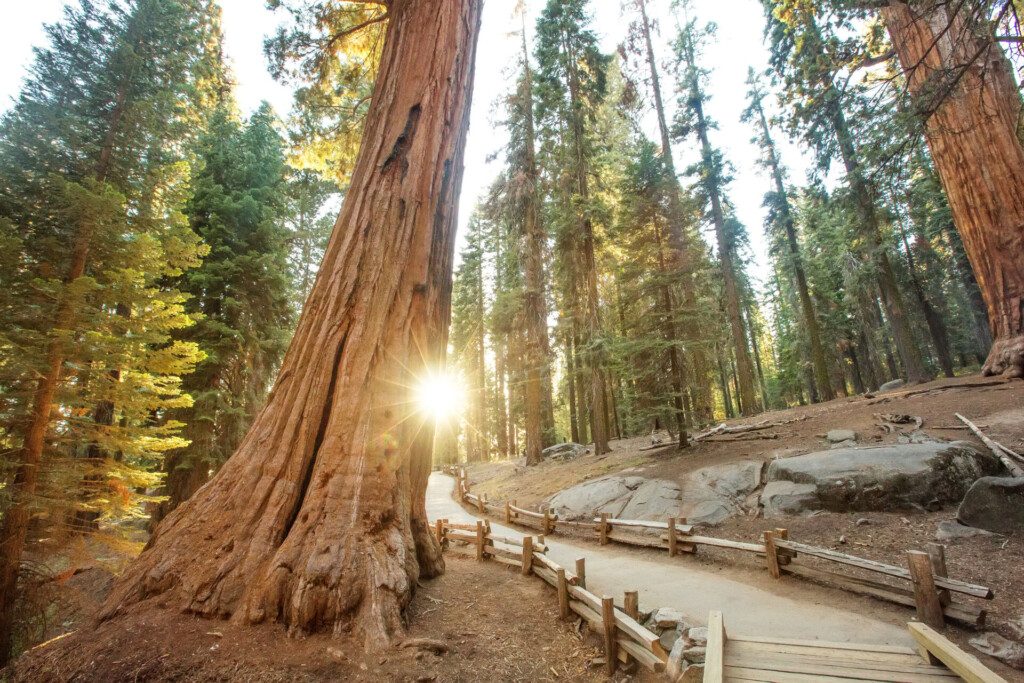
{"x": 807, "y": 612}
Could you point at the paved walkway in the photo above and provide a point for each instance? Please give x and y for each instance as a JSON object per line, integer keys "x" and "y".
{"x": 691, "y": 588}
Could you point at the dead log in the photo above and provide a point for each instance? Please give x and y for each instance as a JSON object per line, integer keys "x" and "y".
{"x": 996, "y": 448}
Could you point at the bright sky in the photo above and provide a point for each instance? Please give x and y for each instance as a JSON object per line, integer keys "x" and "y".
{"x": 739, "y": 44}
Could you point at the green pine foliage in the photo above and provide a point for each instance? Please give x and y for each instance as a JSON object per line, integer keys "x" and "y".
{"x": 241, "y": 296}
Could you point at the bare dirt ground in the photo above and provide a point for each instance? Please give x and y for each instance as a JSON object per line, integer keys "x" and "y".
{"x": 498, "y": 626}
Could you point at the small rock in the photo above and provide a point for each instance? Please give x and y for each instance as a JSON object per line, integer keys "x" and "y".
{"x": 336, "y": 653}
{"x": 842, "y": 540}
{"x": 694, "y": 655}
{"x": 675, "y": 665}
{"x": 426, "y": 678}
{"x": 863, "y": 521}
{"x": 840, "y": 435}
{"x": 1015, "y": 629}
{"x": 904, "y": 520}
{"x": 698, "y": 635}
{"x": 849, "y": 443}
{"x": 668, "y": 639}
{"x": 1006, "y": 651}
{"x": 667, "y": 617}
{"x": 892, "y": 385}
{"x": 950, "y": 529}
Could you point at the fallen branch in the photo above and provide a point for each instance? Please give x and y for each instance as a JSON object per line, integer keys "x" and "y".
{"x": 998, "y": 449}
{"x": 741, "y": 437}
{"x": 917, "y": 392}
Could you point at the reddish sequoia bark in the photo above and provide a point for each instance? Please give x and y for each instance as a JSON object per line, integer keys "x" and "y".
{"x": 966, "y": 92}
{"x": 318, "y": 519}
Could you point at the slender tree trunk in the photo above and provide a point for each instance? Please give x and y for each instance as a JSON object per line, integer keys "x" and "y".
{"x": 598, "y": 399}
{"x": 724, "y": 382}
{"x": 570, "y": 380}
{"x": 978, "y": 309}
{"x": 500, "y": 404}
{"x": 318, "y": 519}
{"x": 937, "y": 329}
{"x": 795, "y": 261}
{"x": 726, "y": 256}
{"x": 682, "y": 249}
{"x": 537, "y": 350}
{"x": 966, "y": 93}
{"x": 676, "y": 368}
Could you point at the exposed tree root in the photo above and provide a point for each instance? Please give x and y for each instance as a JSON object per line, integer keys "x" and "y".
{"x": 1006, "y": 358}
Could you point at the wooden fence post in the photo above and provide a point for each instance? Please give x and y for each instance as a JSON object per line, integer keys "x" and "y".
{"x": 631, "y": 604}
{"x": 611, "y": 644}
{"x": 937, "y": 555}
{"x": 784, "y": 557}
{"x": 547, "y": 522}
{"x": 515, "y": 515}
{"x": 444, "y": 537}
{"x": 771, "y": 555}
{"x": 439, "y": 531}
{"x": 527, "y": 555}
{"x": 603, "y": 530}
{"x": 581, "y": 572}
{"x": 508, "y": 513}
{"x": 480, "y": 499}
{"x": 563, "y": 594}
{"x": 671, "y": 536}
{"x": 926, "y": 597}
{"x": 541, "y": 539}
{"x": 479, "y": 540}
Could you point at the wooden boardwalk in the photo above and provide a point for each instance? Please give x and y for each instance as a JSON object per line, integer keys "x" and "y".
{"x": 776, "y": 660}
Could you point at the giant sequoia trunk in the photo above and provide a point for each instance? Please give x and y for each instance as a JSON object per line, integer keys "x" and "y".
{"x": 965, "y": 91}
{"x": 318, "y": 521}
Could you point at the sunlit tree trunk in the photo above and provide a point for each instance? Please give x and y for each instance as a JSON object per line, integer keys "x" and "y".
{"x": 965, "y": 91}
{"x": 318, "y": 519}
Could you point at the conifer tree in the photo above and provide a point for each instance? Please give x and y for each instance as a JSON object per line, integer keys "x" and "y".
{"x": 805, "y": 58}
{"x": 712, "y": 179}
{"x": 93, "y": 181}
{"x": 782, "y": 227}
{"x": 570, "y": 86}
{"x": 241, "y": 294}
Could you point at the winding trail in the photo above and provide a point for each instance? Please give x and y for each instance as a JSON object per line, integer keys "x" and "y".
{"x": 692, "y": 588}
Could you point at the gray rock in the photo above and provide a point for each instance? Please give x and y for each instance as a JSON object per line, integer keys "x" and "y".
{"x": 950, "y": 529}
{"x": 652, "y": 499}
{"x": 788, "y": 498}
{"x": 667, "y": 617}
{"x": 626, "y": 497}
{"x": 850, "y": 443}
{"x": 564, "y": 451}
{"x": 668, "y": 639}
{"x": 694, "y": 655}
{"x": 1006, "y": 651}
{"x": 891, "y": 385}
{"x": 676, "y": 664}
{"x": 713, "y": 494}
{"x": 1015, "y": 628}
{"x": 994, "y": 504}
{"x": 698, "y": 635}
{"x": 840, "y": 435}
{"x": 692, "y": 674}
{"x": 893, "y": 477}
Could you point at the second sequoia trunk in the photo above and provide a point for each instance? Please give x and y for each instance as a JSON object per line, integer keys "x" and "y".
{"x": 965, "y": 91}
{"x": 318, "y": 519}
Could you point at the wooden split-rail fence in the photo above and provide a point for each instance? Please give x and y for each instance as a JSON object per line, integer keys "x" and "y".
{"x": 734, "y": 658}
{"x": 625, "y": 638}
{"x": 924, "y": 584}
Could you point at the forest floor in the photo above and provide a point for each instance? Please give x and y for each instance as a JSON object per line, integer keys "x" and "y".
{"x": 997, "y": 409}
{"x": 498, "y": 626}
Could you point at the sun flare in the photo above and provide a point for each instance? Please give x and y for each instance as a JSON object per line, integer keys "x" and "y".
{"x": 441, "y": 395}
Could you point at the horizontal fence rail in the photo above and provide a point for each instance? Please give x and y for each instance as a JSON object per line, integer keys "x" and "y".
{"x": 928, "y": 587}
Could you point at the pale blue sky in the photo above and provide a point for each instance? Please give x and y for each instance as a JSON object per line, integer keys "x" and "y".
{"x": 738, "y": 45}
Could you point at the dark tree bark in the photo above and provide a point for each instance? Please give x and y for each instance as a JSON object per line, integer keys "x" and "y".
{"x": 318, "y": 519}
{"x": 964, "y": 90}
